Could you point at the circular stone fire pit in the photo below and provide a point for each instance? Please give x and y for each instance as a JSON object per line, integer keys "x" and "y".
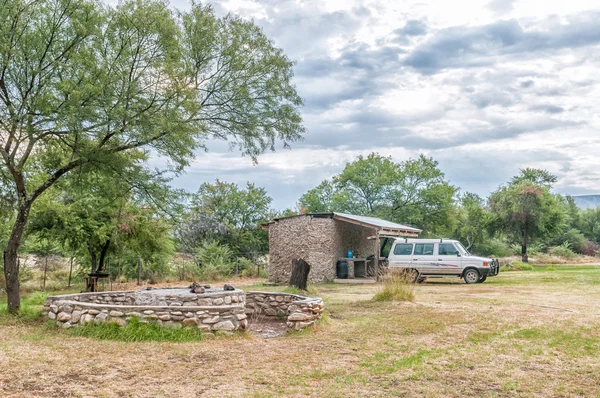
{"x": 213, "y": 310}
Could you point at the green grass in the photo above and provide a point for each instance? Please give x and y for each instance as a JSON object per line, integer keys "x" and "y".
{"x": 135, "y": 330}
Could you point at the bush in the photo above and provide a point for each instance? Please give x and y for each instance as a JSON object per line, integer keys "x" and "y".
{"x": 591, "y": 249}
{"x": 494, "y": 248}
{"x": 396, "y": 287}
{"x": 574, "y": 238}
{"x": 215, "y": 260}
{"x": 563, "y": 250}
{"x": 521, "y": 266}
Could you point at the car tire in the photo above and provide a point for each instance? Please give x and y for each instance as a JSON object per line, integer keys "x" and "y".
{"x": 482, "y": 279}
{"x": 471, "y": 276}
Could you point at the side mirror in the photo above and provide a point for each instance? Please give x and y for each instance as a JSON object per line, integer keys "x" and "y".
{"x": 458, "y": 255}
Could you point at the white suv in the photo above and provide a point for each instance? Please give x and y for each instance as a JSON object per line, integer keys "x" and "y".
{"x": 436, "y": 258}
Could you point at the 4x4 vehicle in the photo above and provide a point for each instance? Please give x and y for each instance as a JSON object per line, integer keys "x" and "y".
{"x": 437, "y": 258}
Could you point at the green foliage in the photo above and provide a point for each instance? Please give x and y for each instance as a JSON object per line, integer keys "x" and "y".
{"x": 521, "y": 266}
{"x": 526, "y": 210}
{"x": 413, "y": 192}
{"x": 136, "y": 330}
{"x": 563, "y": 250}
{"x": 574, "y": 239}
{"x": 396, "y": 287}
{"x": 215, "y": 261}
{"x": 471, "y": 226}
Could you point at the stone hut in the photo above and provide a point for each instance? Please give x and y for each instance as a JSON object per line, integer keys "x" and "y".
{"x": 324, "y": 238}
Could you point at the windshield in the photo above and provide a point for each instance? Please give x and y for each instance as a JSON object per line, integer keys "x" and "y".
{"x": 462, "y": 250}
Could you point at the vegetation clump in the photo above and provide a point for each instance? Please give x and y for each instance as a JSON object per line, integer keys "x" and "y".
{"x": 396, "y": 287}
{"x": 136, "y": 330}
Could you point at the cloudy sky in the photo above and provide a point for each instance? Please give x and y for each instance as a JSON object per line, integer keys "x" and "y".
{"x": 483, "y": 87}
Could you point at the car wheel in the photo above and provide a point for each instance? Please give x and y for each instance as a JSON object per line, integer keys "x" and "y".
{"x": 482, "y": 279}
{"x": 422, "y": 279}
{"x": 471, "y": 276}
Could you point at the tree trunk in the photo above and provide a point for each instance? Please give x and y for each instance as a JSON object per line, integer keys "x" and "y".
{"x": 103, "y": 253}
{"x": 11, "y": 255}
{"x": 70, "y": 272}
{"x": 300, "y": 270}
{"x": 45, "y": 271}
{"x": 524, "y": 256}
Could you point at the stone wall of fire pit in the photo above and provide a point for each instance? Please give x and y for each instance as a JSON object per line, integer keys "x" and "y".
{"x": 212, "y": 311}
{"x": 300, "y": 311}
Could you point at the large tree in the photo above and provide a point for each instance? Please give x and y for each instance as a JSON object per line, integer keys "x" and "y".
{"x": 414, "y": 192}
{"x": 84, "y": 85}
{"x": 525, "y": 209}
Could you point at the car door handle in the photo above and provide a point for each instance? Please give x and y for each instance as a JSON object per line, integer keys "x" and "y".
{"x": 415, "y": 259}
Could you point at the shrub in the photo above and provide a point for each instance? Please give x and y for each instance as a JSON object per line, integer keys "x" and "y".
{"x": 550, "y": 268}
{"x": 591, "y": 249}
{"x": 521, "y": 266}
{"x": 396, "y": 287}
{"x": 215, "y": 260}
{"x": 563, "y": 250}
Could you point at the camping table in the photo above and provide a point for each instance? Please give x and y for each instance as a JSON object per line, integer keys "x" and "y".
{"x": 353, "y": 263}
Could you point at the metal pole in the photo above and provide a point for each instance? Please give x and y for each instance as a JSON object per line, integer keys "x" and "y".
{"x": 45, "y": 269}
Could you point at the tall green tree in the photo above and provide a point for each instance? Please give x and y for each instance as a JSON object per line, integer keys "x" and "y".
{"x": 231, "y": 215}
{"x": 412, "y": 192}
{"x": 84, "y": 85}
{"x": 472, "y": 219}
{"x": 526, "y": 209}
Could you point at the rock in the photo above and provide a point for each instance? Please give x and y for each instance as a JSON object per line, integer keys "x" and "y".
{"x": 244, "y": 324}
{"x": 116, "y": 313}
{"x": 211, "y": 320}
{"x": 259, "y": 298}
{"x": 290, "y": 324}
{"x": 54, "y": 308}
{"x": 101, "y": 317}
{"x": 298, "y": 316}
{"x": 147, "y": 312}
{"x": 63, "y": 317}
{"x": 270, "y": 312}
{"x": 190, "y": 321}
{"x": 227, "y": 300}
{"x": 204, "y": 328}
{"x": 176, "y": 313}
{"x": 65, "y": 325}
{"x": 279, "y": 299}
{"x": 175, "y": 304}
{"x": 204, "y": 302}
{"x": 239, "y": 317}
{"x": 75, "y": 316}
{"x": 177, "y": 317}
{"x": 93, "y": 312}
{"x": 200, "y": 312}
{"x": 302, "y": 325}
{"x": 52, "y": 315}
{"x": 189, "y": 314}
{"x": 235, "y": 299}
{"x": 175, "y": 325}
{"x": 88, "y": 318}
{"x": 118, "y": 321}
{"x": 223, "y": 326}
{"x": 228, "y": 287}
{"x": 218, "y": 301}
{"x": 164, "y": 317}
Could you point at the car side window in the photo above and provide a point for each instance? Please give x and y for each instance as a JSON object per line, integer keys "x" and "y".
{"x": 424, "y": 249}
{"x": 447, "y": 249}
{"x": 403, "y": 249}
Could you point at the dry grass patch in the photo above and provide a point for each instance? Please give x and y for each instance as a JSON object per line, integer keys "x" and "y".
{"x": 396, "y": 287}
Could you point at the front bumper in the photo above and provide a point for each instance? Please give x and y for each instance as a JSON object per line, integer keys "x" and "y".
{"x": 494, "y": 267}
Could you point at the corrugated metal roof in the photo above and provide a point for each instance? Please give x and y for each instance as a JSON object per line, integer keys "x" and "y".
{"x": 377, "y": 222}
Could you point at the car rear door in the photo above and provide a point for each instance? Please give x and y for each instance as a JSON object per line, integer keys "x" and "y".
{"x": 449, "y": 261}
{"x": 401, "y": 255}
{"x": 423, "y": 258}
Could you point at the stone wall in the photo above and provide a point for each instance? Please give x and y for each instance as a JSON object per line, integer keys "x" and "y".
{"x": 319, "y": 241}
{"x": 298, "y": 310}
{"x": 310, "y": 238}
{"x": 213, "y": 312}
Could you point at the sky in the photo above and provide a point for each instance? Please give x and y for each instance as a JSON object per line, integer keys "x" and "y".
{"x": 483, "y": 87}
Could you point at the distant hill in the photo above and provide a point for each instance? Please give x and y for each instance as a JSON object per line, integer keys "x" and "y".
{"x": 587, "y": 201}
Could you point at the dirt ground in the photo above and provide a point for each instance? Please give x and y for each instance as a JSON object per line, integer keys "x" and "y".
{"x": 520, "y": 334}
